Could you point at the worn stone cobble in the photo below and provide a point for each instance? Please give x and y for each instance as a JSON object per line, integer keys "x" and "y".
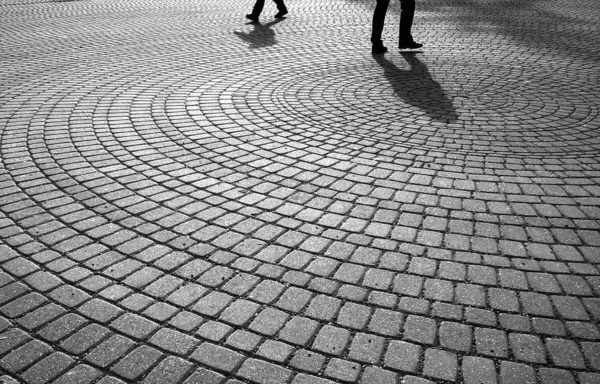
{"x": 188, "y": 197}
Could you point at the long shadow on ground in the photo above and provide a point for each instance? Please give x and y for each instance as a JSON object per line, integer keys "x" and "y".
{"x": 261, "y": 36}
{"x": 417, "y": 87}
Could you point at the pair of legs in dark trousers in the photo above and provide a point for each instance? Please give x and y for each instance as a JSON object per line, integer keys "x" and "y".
{"x": 406, "y": 20}
{"x": 258, "y": 7}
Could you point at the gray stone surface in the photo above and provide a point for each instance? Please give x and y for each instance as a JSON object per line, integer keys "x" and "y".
{"x": 188, "y": 197}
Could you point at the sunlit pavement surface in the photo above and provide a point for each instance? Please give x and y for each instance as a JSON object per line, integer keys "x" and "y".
{"x": 186, "y": 197}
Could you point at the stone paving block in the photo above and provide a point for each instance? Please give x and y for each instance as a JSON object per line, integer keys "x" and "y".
{"x": 393, "y": 261}
{"x": 269, "y": 321}
{"x": 349, "y": 273}
{"x": 331, "y": 340}
{"x": 516, "y": 373}
{"x": 382, "y": 299}
{"x": 266, "y": 292}
{"x": 62, "y": 327}
{"x": 243, "y": 340}
{"x": 69, "y": 296}
{"x": 583, "y": 330}
{"x": 420, "y": 329}
{"x": 173, "y": 341}
{"x": 80, "y": 374}
{"x": 386, "y": 322}
{"x": 342, "y": 370}
{"x": 187, "y": 294}
{"x": 366, "y": 348}
{"x": 213, "y": 330}
{"x": 440, "y": 364}
{"x": 413, "y": 305}
{"x": 323, "y": 307}
{"x": 402, "y": 356}
{"x": 11, "y": 339}
{"x": 422, "y": 266}
{"x": 415, "y": 380}
{"x": 574, "y": 285}
{"x": 527, "y": 348}
{"x": 186, "y": 321}
{"x": 275, "y": 351}
{"x": 307, "y": 361}
{"x": 512, "y": 279}
{"x": 479, "y": 274}
{"x": 549, "y": 326}
{"x": 170, "y": 370}
{"x": 570, "y": 308}
{"x": 410, "y": 285}
{"x": 352, "y": 292}
{"x": 137, "y": 363}
{"x": 109, "y": 351}
{"x": 309, "y": 379}
{"x": 217, "y": 357}
{"x": 239, "y": 312}
{"x": 212, "y": 304}
{"x": 353, "y": 316}
{"x": 205, "y": 376}
{"x": 376, "y": 375}
{"x": 591, "y": 352}
{"x": 553, "y": 375}
{"x": 23, "y": 304}
{"x": 477, "y": 370}
{"x": 470, "y": 294}
{"x": 84, "y": 339}
{"x": 588, "y": 377}
{"x": 503, "y": 299}
{"x": 24, "y": 356}
{"x": 134, "y": 326}
{"x": 43, "y": 281}
{"x": 536, "y": 304}
{"x": 436, "y": 289}
{"x": 491, "y": 342}
{"x": 48, "y": 368}
{"x": 240, "y": 284}
{"x": 160, "y": 311}
{"x": 192, "y": 269}
{"x": 263, "y": 372}
{"x": 455, "y": 336}
{"x": 565, "y": 353}
{"x": 136, "y": 301}
{"x": 298, "y": 330}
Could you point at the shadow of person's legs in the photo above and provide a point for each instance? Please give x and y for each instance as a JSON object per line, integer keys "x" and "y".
{"x": 261, "y": 36}
{"x": 416, "y": 87}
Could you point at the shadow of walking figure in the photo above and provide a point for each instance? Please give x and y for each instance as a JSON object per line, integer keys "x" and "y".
{"x": 261, "y": 36}
{"x": 417, "y": 88}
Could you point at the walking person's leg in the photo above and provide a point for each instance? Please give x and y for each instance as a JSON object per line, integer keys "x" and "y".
{"x": 406, "y": 20}
{"x": 256, "y": 11}
{"x": 378, "y": 21}
{"x": 282, "y": 9}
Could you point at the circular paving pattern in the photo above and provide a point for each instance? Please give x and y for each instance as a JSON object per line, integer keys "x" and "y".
{"x": 186, "y": 198}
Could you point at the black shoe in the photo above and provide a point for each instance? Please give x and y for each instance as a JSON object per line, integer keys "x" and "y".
{"x": 378, "y": 49}
{"x": 281, "y": 13}
{"x": 409, "y": 45}
{"x": 252, "y": 17}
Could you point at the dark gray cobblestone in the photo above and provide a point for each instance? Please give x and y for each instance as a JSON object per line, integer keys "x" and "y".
{"x": 189, "y": 198}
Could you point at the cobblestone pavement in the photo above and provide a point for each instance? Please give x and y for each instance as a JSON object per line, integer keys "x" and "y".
{"x": 189, "y": 198}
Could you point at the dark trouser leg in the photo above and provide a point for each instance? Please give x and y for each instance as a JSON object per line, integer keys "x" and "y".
{"x": 258, "y": 7}
{"x": 378, "y": 20}
{"x": 406, "y": 19}
{"x": 280, "y": 5}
